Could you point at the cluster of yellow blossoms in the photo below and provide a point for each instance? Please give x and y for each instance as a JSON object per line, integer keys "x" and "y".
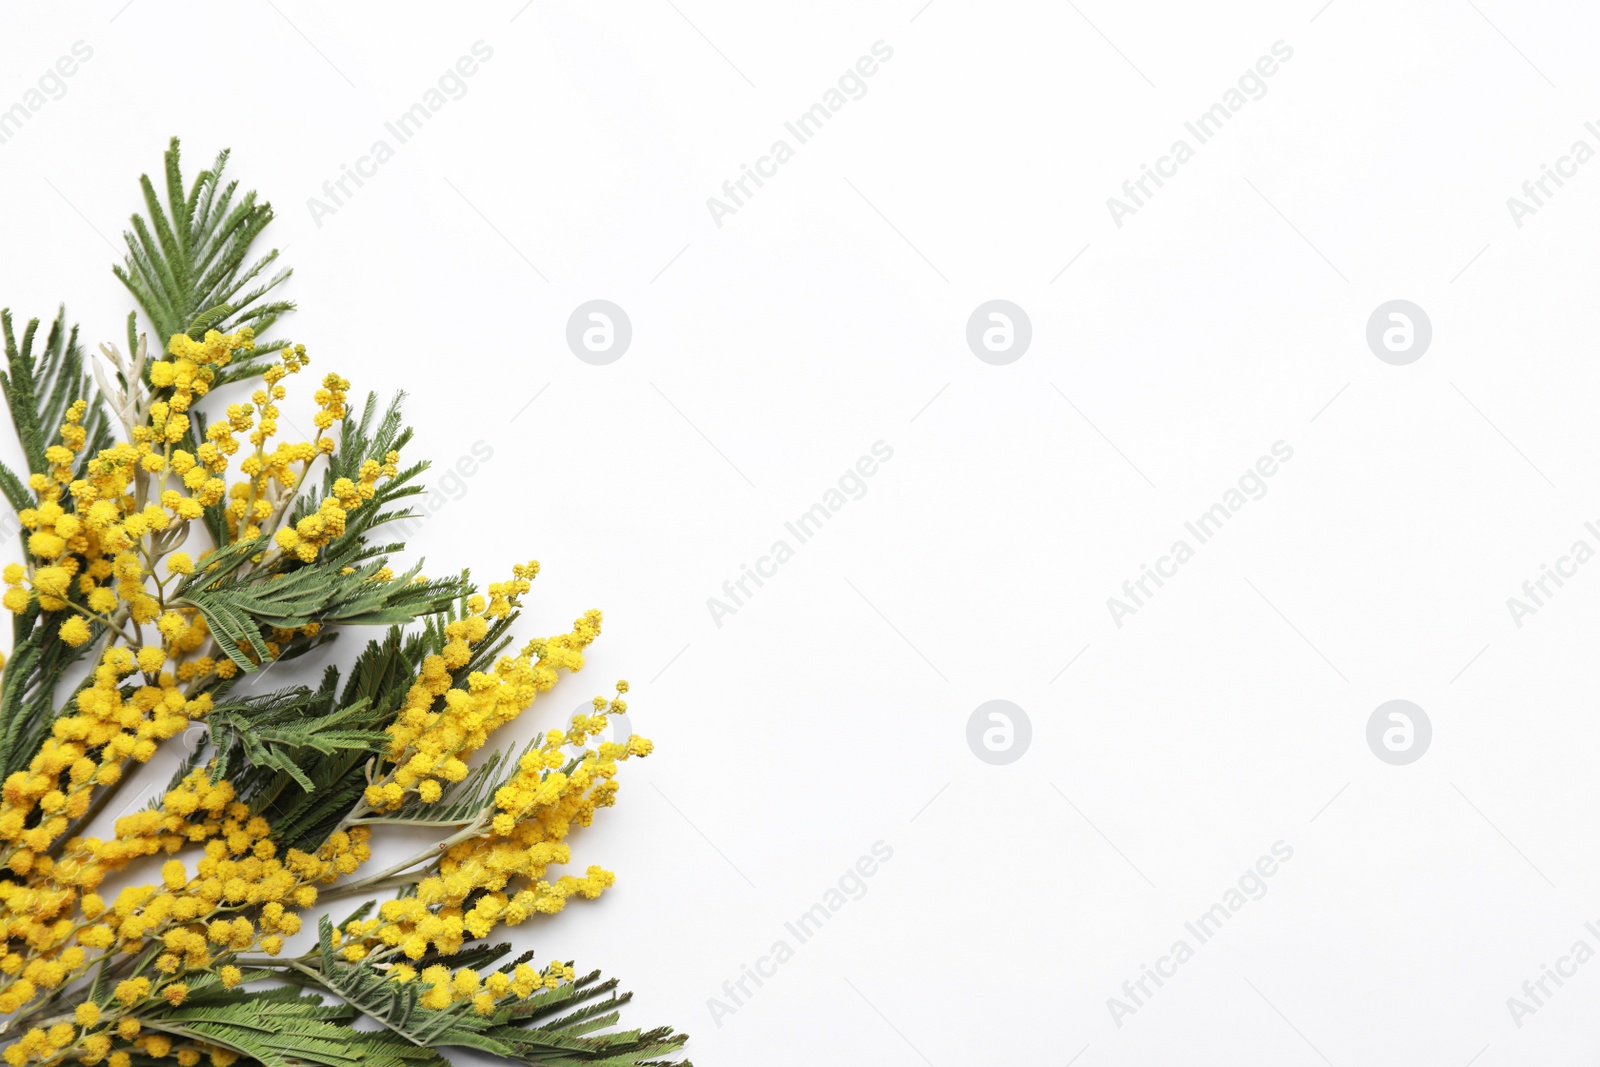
{"x": 529, "y": 818}
{"x": 104, "y": 546}
{"x": 520, "y": 833}
{"x": 88, "y": 747}
{"x": 430, "y": 742}
{"x": 447, "y": 987}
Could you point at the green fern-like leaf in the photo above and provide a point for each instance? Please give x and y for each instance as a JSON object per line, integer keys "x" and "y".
{"x": 287, "y": 730}
{"x": 369, "y": 437}
{"x": 239, "y": 611}
{"x": 282, "y": 1028}
{"x": 189, "y": 266}
{"x": 524, "y": 1031}
{"x": 378, "y": 680}
{"x": 38, "y": 388}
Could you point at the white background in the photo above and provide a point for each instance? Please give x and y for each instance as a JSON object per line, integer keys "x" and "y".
{"x": 829, "y": 313}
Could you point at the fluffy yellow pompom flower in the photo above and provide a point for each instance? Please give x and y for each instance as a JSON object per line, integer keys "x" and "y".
{"x": 75, "y": 631}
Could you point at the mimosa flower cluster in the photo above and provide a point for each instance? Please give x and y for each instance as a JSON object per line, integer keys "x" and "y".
{"x": 179, "y": 539}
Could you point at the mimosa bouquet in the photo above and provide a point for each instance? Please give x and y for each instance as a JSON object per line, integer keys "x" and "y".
{"x": 175, "y": 545}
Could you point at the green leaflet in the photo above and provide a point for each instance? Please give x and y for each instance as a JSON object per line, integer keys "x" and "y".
{"x": 368, "y": 437}
{"x": 187, "y": 265}
{"x": 395, "y": 1005}
{"x": 38, "y": 389}
{"x": 240, "y": 608}
{"x": 284, "y": 730}
{"x": 378, "y": 680}
{"x": 522, "y": 1032}
{"x": 282, "y": 1028}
